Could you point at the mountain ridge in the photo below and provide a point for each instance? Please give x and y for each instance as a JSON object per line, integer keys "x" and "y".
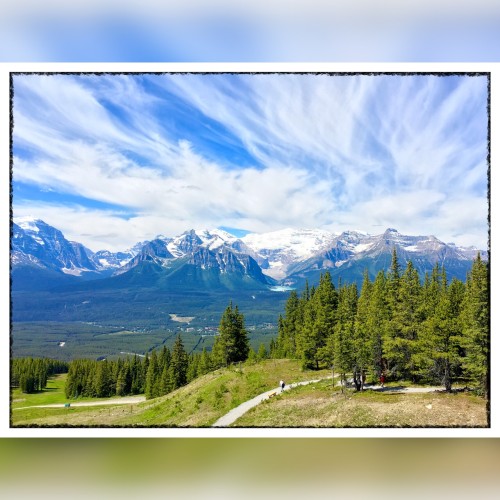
{"x": 287, "y": 256}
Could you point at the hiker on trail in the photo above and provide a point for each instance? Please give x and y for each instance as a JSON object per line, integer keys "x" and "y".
{"x": 282, "y": 385}
{"x": 382, "y": 380}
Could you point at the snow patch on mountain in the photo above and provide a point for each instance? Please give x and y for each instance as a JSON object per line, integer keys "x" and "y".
{"x": 28, "y": 223}
{"x": 284, "y": 255}
{"x": 362, "y": 247}
{"x": 276, "y": 251}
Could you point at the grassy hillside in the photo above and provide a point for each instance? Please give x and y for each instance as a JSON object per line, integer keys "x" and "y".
{"x": 198, "y": 404}
{"x": 319, "y": 405}
{"x": 206, "y": 399}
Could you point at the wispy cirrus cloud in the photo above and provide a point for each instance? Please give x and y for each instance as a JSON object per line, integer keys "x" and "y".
{"x": 259, "y": 152}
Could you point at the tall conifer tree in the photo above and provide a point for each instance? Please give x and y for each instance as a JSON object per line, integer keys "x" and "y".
{"x": 179, "y": 363}
{"x": 231, "y": 345}
{"x": 476, "y": 319}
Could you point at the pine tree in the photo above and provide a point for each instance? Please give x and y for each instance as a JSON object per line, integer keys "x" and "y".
{"x": 121, "y": 383}
{"x": 144, "y": 373}
{"x": 152, "y": 376}
{"x": 393, "y": 280}
{"x": 401, "y": 343}
{"x": 102, "y": 380}
{"x": 448, "y": 335}
{"x": 166, "y": 385}
{"x": 135, "y": 375}
{"x": 252, "y": 357}
{"x": 274, "y": 352}
{"x": 377, "y": 324}
{"x": 299, "y": 319}
{"x": 287, "y": 327}
{"x": 438, "y": 356}
{"x": 362, "y": 337}
{"x": 193, "y": 363}
{"x": 344, "y": 359}
{"x": 262, "y": 352}
{"x": 307, "y": 345}
{"x": 318, "y": 323}
{"x": 179, "y": 363}
{"x": 476, "y": 321}
{"x": 205, "y": 365}
{"x": 231, "y": 345}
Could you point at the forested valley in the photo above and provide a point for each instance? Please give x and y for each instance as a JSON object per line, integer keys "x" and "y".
{"x": 396, "y": 327}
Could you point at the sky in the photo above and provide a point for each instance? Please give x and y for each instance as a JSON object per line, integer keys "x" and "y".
{"x": 113, "y": 159}
{"x": 260, "y": 30}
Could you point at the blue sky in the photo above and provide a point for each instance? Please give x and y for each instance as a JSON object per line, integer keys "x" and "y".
{"x": 115, "y": 159}
{"x": 261, "y": 30}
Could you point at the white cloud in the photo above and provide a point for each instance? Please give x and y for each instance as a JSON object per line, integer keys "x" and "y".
{"x": 461, "y": 219}
{"x": 329, "y": 151}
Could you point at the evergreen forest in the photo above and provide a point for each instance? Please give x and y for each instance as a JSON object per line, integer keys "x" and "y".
{"x": 397, "y": 327}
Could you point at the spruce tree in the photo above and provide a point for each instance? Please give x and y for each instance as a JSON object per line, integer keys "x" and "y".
{"x": 287, "y": 327}
{"x": 377, "y": 324}
{"x": 120, "y": 383}
{"x": 179, "y": 363}
{"x": 262, "y": 352}
{"x": 318, "y": 323}
{"x": 447, "y": 336}
{"x": 193, "y": 363}
{"x": 401, "y": 342}
{"x": 362, "y": 337}
{"x": 102, "y": 380}
{"x": 205, "y": 364}
{"x": 476, "y": 321}
{"x": 344, "y": 359}
{"x": 152, "y": 377}
{"x": 166, "y": 385}
{"x": 231, "y": 345}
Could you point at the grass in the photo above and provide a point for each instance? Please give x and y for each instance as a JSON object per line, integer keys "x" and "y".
{"x": 198, "y": 404}
{"x": 25, "y": 412}
{"x": 203, "y": 401}
{"x": 319, "y": 405}
{"x": 53, "y": 393}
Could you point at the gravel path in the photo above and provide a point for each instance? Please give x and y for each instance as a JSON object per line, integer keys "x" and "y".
{"x": 240, "y": 410}
{"x": 237, "y": 412}
{"x": 126, "y": 400}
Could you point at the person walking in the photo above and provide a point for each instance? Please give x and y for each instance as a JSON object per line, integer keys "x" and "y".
{"x": 282, "y": 385}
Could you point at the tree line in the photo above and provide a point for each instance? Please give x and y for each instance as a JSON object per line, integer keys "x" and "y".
{"x": 396, "y": 326}
{"x": 160, "y": 372}
{"x": 31, "y": 374}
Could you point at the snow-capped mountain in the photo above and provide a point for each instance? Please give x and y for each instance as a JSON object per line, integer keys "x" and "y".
{"x": 104, "y": 259}
{"x": 277, "y": 251}
{"x": 192, "y": 240}
{"x": 287, "y": 256}
{"x": 214, "y": 251}
{"x": 198, "y": 272}
{"x": 37, "y": 244}
{"x": 352, "y": 252}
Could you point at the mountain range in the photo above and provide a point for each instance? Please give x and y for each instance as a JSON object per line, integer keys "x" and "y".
{"x": 280, "y": 257}
{"x": 53, "y": 275}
